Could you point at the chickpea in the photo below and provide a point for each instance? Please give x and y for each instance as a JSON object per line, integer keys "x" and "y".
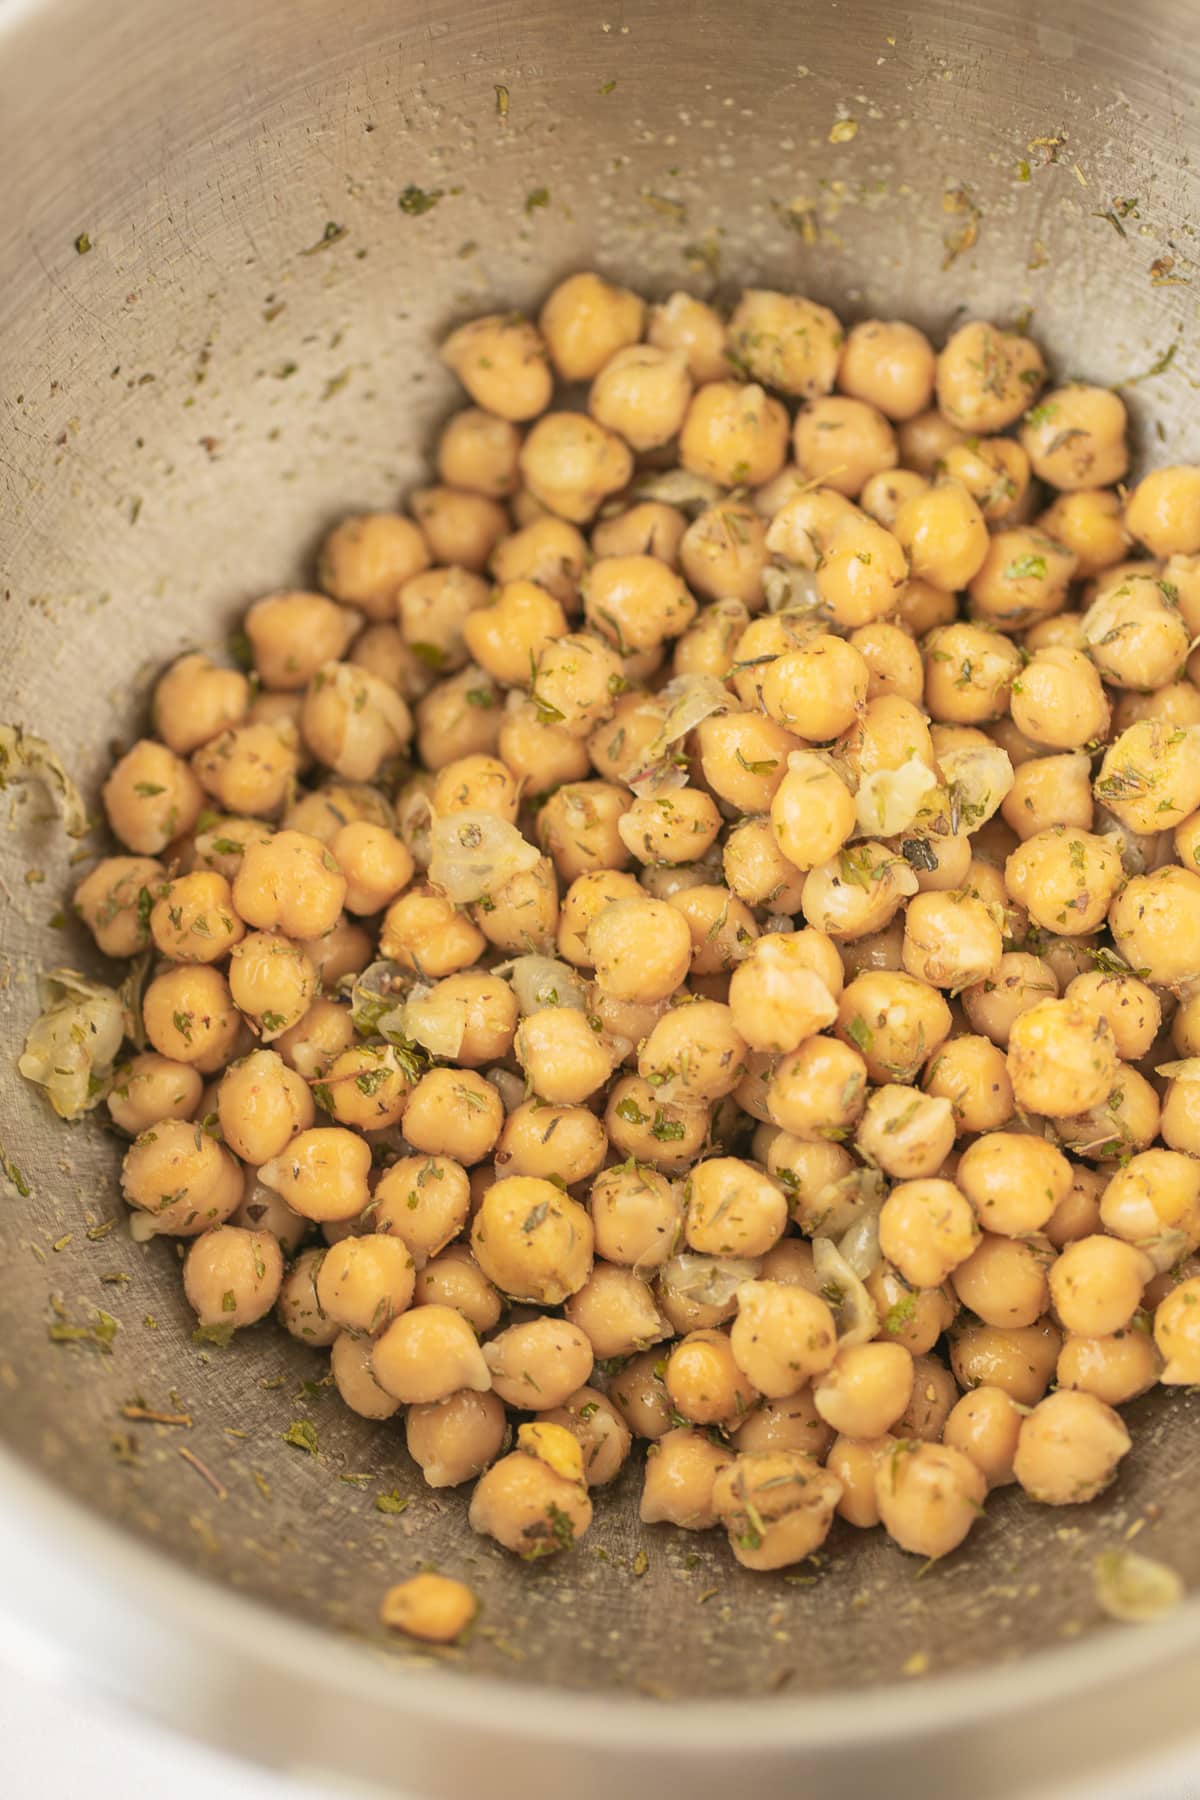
{"x": 322, "y": 1174}
{"x": 1114, "y": 1369}
{"x": 1177, "y": 1334}
{"x": 681, "y": 1472}
{"x": 1062, "y": 1058}
{"x": 366, "y": 1086}
{"x": 914, "y": 1317}
{"x": 693, "y": 1054}
{"x": 1050, "y": 791}
{"x": 944, "y": 535}
{"x": 271, "y": 981}
{"x": 678, "y": 825}
{"x": 453, "y": 1278}
{"x": 1058, "y": 700}
{"x": 853, "y": 1462}
{"x": 454, "y": 1440}
{"x": 478, "y": 451}
{"x": 857, "y": 893}
{"x": 433, "y": 1608}
{"x": 642, "y": 393}
{"x": 150, "y": 798}
{"x": 641, "y": 949}
{"x": 649, "y": 1130}
{"x": 532, "y": 1241}
{"x": 1176, "y": 703}
{"x": 985, "y": 1425}
{"x": 687, "y": 324}
{"x": 893, "y": 660}
{"x": 865, "y": 1390}
{"x": 756, "y": 869}
{"x": 1155, "y": 922}
{"x": 1163, "y": 511}
{"x": 786, "y": 341}
{"x": 528, "y": 1507}
{"x": 426, "y": 1355}
{"x": 251, "y": 769}
{"x": 586, "y": 321}
{"x": 895, "y": 1019}
{"x": 1003, "y": 1281}
{"x": 1126, "y": 1122}
{"x": 1090, "y": 523}
{"x": 1066, "y": 879}
{"x": 110, "y": 902}
{"x": 461, "y": 716}
{"x": 231, "y": 1276}
{"x": 647, "y": 528}
{"x": 1135, "y": 634}
{"x": 290, "y": 883}
{"x": 195, "y": 700}
{"x": 884, "y": 494}
{"x": 722, "y": 928}
{"x": 776, "y": 1506}
{"x": 502, "y": 361}
{"x": 994, "y": 471}
{"x": 723, "y": 553}
{"x": 571, "y": 464}
{"x": 1018, "y": 1359}
{"x": 261, "y": 1105}
{"x": 1153, "y": 1202}
{"x": 734, "y": 434}
{"x": 929, "y": 1496}
{"x": 927, "y": 1230}
{"x": 972, "y": 1074}
{"x": 576, "y": 681}
{"x": 924, "y": 440}
{"x": 951, "y": 940}
{"x": 890, "y": 365}
{"x": 322, "y": 1034}
{"x": 616, "y": 1310}
{"x": 423, "y": 1201}
{"x": 1075, "y": 437}
{"x": 299, "y": 1311}
{"x": 819, "y": 690}
{"x": 704, "y": 1381}
{"x": 1069, "y": 1448}
{"x": 564, "y": 1060}
{"x": 1018, "y": 983}
{"x": 906, "y": 1133}
{"x": 636, "y": 602}
{"x": 453, "y": 1112}
{"x": 791, "y": 1423}
{"x": 365, "y": 1282}
{"x": 1014, "y": 1181}
{"x": 1023, "y": 578}
{"x": 540, "y": 756}
{"x": 842, "y": 443}
{"x": 586, "y": 898}
{"x": 1078, "y": 1214}
{"x": 189, "y": 1016}
{"x": 293, "y": 634}
{"x": 353, "y": 721}
{"x": 858, "y": 567}
{"x": 365, "y": 561}
{"x": 461, "y": 528}
{"x": 1180, "y": 1121}
{"x": 812, "y": 813}
{"x": 733, "y": 1208}
{"x": 766, "y": 637}
{"x": 180, "y": 1179}
{"x": 786, "y": 990}
{"x": 517, "y": 625}
{"x": 149, "y": 1087}
{"x": 375, "y": 865}
{"x": 987, "y": 377}
{"x": 426, "y": 933}
{"x": 968, "y": 673}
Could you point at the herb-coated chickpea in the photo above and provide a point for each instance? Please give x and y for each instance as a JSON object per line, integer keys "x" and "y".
{"x": 723, "y": 553}
{"x": 478, "y": 450}
{"x": 858, "y": 567}
{"x": 1135, "y": 635}
{"x": 195, "y": 700}
{"x": 539, "y": 1363}
{"x": 722, "y": 928}
{"x": 884, "y": 494}
{"x": 914, "y": 1317}
{"x": 433, "y": 608}
{"x": 786, "y": 341}
{"x": 427, "y": 1354}
{"x": 290, "y": 883}
{"x": 461, "y": 716}
{"x": 929, "y": 1496}
{"x": 1114, "y": 1369}
{"x": 110, "y": 902}
{"x": 635, "y": 602}
{"x": 943, "y": 534}
{"x": 733, "y": 1208}
{"x": 454, "y": 1440}
{"x": 576, "y": 682}
{"x": 1019, "y": 982}
{"x": 857, "y": 893}
{"x": 734, "y": 434}
{"x": 951, "y": 940}
{"x": 1090, "y": 523}
{"x": 1180, "y": 1121}
{"x": 1150, "y": 776}
{"x": 549, "y": 552}
{"x": 564, "y": 1060}
{"x": 586, "y": 898}
{"x": 298, "y": 1309}
{"x": 684, "y": 323}
{"x": 641, "y": 949}
{"x": 1018, "y": 1359}
{"x": 681, "y": 1472}
{"x": 261, "y": 1105}
{"x": 926, "y": 1230}
{"x": 985, "y": 1425}
{"x": 375, "y": 864}
{"x": 842, "y": 442}
{"x": 1062, "y": 1058}
{"x": 924, "y": 440}
{"x": 637, "y": 1216}
{"x": 150, "y": 1087}
{"x": 1014, "y": 1181}
{"x": 428, "y": 934}
{"x": 1077, "y": 1215}
{"x": 293, "y": 634}
{"x": 986, "y": 378}
{"x": 906, "y": 1133}
{"x": 1075, "y": 437}
{"x": 476, "y": 1012}
{"x": 812, "y": 813}
{"x": 364, "y": 561}
{"x": 642, "y": 393}
{"x": 968, "y": 673}
{"x": 757, "y": 870}
{"x": 1003, "y": 1281}
{"x": 352, "y": 721}
{"x": 1125, "y": 1123}
{"x": 1050, "y": 791}
{"x": 865, "y": 1389}
{"x": 454, "y": 1278}
{"x": 461, "y": 528}
{"x": 540, "y": 756}
{"x": 647, "y": 528}
{"x": 703, "y": 1380}
{"x": 454, "y": 1112}
{"x": 475, "y": 784}
{"x": 514, "y": 627}
{"x": 893, "y": 661}
{"x": 232, "y": 1276}
{"x": 776, "y": 1506}
{"x": 819, "y": 690}
{"x": 1176, "y": 703}
{"x": 1058, "y": 700}
{"x": 365, "y": 1086}
{"x": 994, "y": 471}
{"x": 1163, "y": 511}
{"x": 853, "y": 1462}
{"x": 895, "y": 1020}
{"x": 528, "y": 1507}
{"x": 1153, "y": 1202}
{"x": 181, "y": 1178}
{"x": 365, "y": 1282}
{"x": 263, "y": 1210}
{"x": 321, "y": 1035}
{"x": 501, "y": 360}
{"x": 189, "y": 1015}
{"x": 678, "y": 825}
{"x": 615, "y": 1309}
{"x": 766, "y": 637}
{"x": 151, "y": 797}
{"x": 1155, "y": 922}
{"x": 322, "y": 1174}
{"x": 666, "y": 1135}
{"x": 1069, "y": 1448}
{"x": 1177, "y": 1334}
{"x": 272, "y": 982}
{"x": 971, "y": 1073}
{"x": 1065, "y": 879}
{"x": 532, "y": 1241}
{"x": 250, "y": 769}
{"x": 345, "y": 949}
{"x": 564, "y": 1141}
{"x": 571, "y": 465}
{"x": 694, "y": 1053}
{"x": 1023, "y": 578}
{"x": 586, "y": 321}
{"x": 320, "y": 813}
{"x": 786, "y": 990}
{"x": 889, "y": 364}
{"x": 639, "y": 1393}
{"x": 790, "y": 1423}
{"x": 423, "y": 1201}
{"x": 433, "y": 1608}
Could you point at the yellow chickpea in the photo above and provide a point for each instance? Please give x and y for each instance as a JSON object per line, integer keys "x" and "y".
{"x": 858, "y": 566}
{"x": 1075, "y": 437}
{"x": 985, "y": 1425}
{"x": 232, "y": 1276}
{"x": 791, "y": 1423}
{"x": 1177, "y": 1334}
{"x": 519, "y": 622}
{"x": 968, "y": 673}
{"x": 180, "y": 1181}
{"x": 1069, "y": 1448}
{"x": 818, "y": 691}
{"x": 647, "y": 528}
{"x": 703, "y": 1381}
{"x": 529, "y": 1507}
{"x": 635, "y": 602}
{"x": 454, "y": 1112}
{"x": 478, "y": 450}
{"x": 853, "y": 1462}
{"x": 640, "y": 1395}
{"x": 884, "y": 494}
{"x": 723, "y": 553}
{"x": 812, "y": 813}
{"x": 994, "y": 471}
{"x": 929, "y": 1496}
{"x": 322, "y": 1174}
{"x": 251, "y": 769}
{"x": 549, "y": 552}
{"x": 906, "y": 1133}
{"x": 461, "y": 528}
{"x": 190, "y": 1017}
{"x": 272, "y": 982}
{"x": 454, "y": 1278}
{"x": 564, "y": 1060}
{"x": 684, "y": 323}
{"x": 733, "y": 1208}
{"x": 926, "y": 1230}
{"x": 1020, "y": 1360}
{"x": 971, "y": 1073}
{"x": 501, "y": 360}
{"x": 1090, "y": 523}
{"x": 1014, "y": 1181}
{"x": 665, "y": 1135}
{"x": 722, "y": 928}
{"x": 1062, "y": 1058}
{"x": 637, "y": 1215}
{"x": 1153, "y": 1202}
{"x": 951, "y": 940}
{"x": 291, "y": 883}
{"x": 890, "y": 365}
{"x": 427, "y": 1354}
{"x": 1019, "y": 982}
{"x": 427, "y": 934}
{"x": 540, "y": 756}
{"x": 1065, "y": 879}
{"x": 1003, "y": 1281}
{"x": 865, "y": 1390}
{"x": 575, "y": 683}
{"x": 430, "y": 1607}
{"x": 1135, "y": 635}
{"x": 986, "y": 378}
{"x": 374, "y": 863}
{"x": 1175, "y": 703}
{"x": 615, "y": 1309}
{"x": 1114, "y": 1369}
{"x": 1163, "y": 511}
{"x": 365, "y": 1282}
{"x": 641, "y": 949}
{"x": 1077, "y": 1215}
{"x": 1050, "y": 791}
{"x": 776, "y": 1507}
{"x": 893, "y": 660}
{"x": 676, "y": 826}
{"x": 1096, "y": 1285}
{"x": 149, "y": 1087}
{"x": 786, "y": 990}
{"x": 364, "y": 562}
{"x": 115, "y": 901}
{"x": 293, "y": 634}
{"x": 1155, "y": 922}
{"x": 298, "y": 1311}
{"x": 586, "y": 321}
{"x": 195, "y": 700}
{"x": 734, "y": 434}
{"x": 694, "y": 1053}
{"x": 532, "y": 1241}
{"x": 1058, "y": 700}
{"x": 642, "y": 393}
{"x": 571, "y": 465}
{"x": 454, "y": 1440}
{"x": 943, "y": 534}
{"x": 261, "y": 1105}
{"x": 311, "y": 1046}
{"x": 757, "y": 870}
{"x": 924, "y": 440}
{"x": 1022, "y": 578}
{"x": 786, "y": 341}
{"x": 681, "y": 1472}
{"x": 842, "y": 442}
{"x": 151, "y": 797}
{"x": 914, "y": 1317}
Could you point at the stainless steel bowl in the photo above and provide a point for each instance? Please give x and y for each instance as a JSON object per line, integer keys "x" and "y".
{"x": 215, "y": 331}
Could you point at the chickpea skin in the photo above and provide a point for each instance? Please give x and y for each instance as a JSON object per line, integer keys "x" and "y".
{"x": 1069, "y": 1448}
{"x": 232, "y": 1276}
{"x": 502, "y": 361}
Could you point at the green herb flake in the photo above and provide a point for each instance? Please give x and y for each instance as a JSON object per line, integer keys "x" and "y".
{"x": 861, "y": 1034}
{"x": 415, "y": 201}
{"x": 83, "y": 244}
{"x": 1026, "y": 568}
{"x": 301, "y": 1435}
{"x": 393, "y": 1503}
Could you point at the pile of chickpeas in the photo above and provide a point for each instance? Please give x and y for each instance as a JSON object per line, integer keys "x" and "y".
{"x": 691, "y": 933}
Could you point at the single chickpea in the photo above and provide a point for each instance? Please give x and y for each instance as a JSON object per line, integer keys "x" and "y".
{"x": 1135, "y": 635}
{"x": 1153, "y": 1202}
{"x": 320, "y": 813}
{"x": 944, "y": 535}
{"x": 261, "y": 1105}
{"x": 576, "y": 682}
{"x": 478, "y": 450}
{"x": 1058, "y": 700}
{"x": 921, "y": 607}
{"x": 433, "y": 1608}
{"x": 517, "y": 625}
{"x": 684, "y": 323}
{"x": 914, "y": 1317}
{"x": 1077, "y": 1215}
{"x": 502, "y": 361}
{"x": 895, "y": 1020}
{"x": 366, "y": 1086}
{"x": 865, "y": 1390}
{"x": 647, "y": 528}
{"x": 969, "y": 671}
{"x": 1014, "y": 1181}
{"x": 1066, "y": 879}
{"x": 532, "y": 1241}
{"x": 364, "y": 561}
{"x": 703, "y": 1380}
{"x": 1003, "y": 1281}
{"x": 453, "y": 1112}
{"x": 971, "y": 1073}
{"x": 791, "y": 1423}
{"x": 453, "y": 1278}
{"x": 1018, "y": 1359}
{"x": 564, "y": 1060}
{"x": 884, "y": 494}
{"x": 1069, "y": 1448}
{"x": 858, "y": 566}
{"x": 766, "y": 637}
{"x": 693, "y": 1054}
{"x": 819, "y": 690}
{"x": 151, "y": 797}
{"x": 353, "y": 722}
{"x": 1050, "y": 791}
{"x": 115, "y": 901}
{"x": 985, "y": 1425}
{"x": 926, "y": 1230}
{"x": 734, "y": 434}
{"x": 640, "y": 1395}
{"x": 1177, "y": 1334}
{"x": 291, "y": 884}
{"x": 1150, "y": 776}
{"x": 1180, "y": 1122}
{"x": 812, "y": 813}
{"x": 1125, "y": 1123}
{"x": 776, "y": 1507}
{"x": 786, "y": 990}
{"x": 986, "y": 378}
{"x": 637, "y": 1215}
{"x": 929, "y": 1496}
{"x": 1062, "y": 1058}
{"x": 528, "y": 1507}
{"x": 1113, "y": 1369}
{"x": 722, "y": 928}
{"x": 858, "y": 892}
{"x": 549, "y": 552}
{"x": 427, "y": 934}
{"x": 461, "y": 716}
{"x": 924, "y": 440}
{"x": 786, "y": 341}
{"x": 1155, "y": 922}
{"x": 231, "y": 1276}
{"x": 649, "y": 1130}
{"x": 272, "y": 982}
{"x": 310, "y": 1047}
{"x": 180, "y": 1180}
{"x": 293, "y": 634}
{"x": 1023, "y": 578}
{"x": 1176, "y": 703}
{"x": 195, "y": 700}
{"x": 148, "y": 1088}
{"x": 461, "y": 528}
{"x": 635, "y": 602}
{"x": 426, "y": 1355}
{"x": 733, "y": 1208}
{"x": 586, "y": 898}
{"x": 1075, "y": 437}
{"x": 564, "y": 1141}
{"x": 1090, "y": 523}
{"x": 906, "y": 1133}
{"x": 1163, "y": 511}
{"x": 263, "y": 1210}
{"x": 994, "y": 471}
{"x": 842, "y": 442}
{"x": 365, "y": 1282}
{"x": 893, "y": 660}
{"x": 676, "y": 826}
{"x": 424, "y": 1202}
{"x": 723, "y": 553}
{"x": 586, "y": 321}
{"x": 757, "y": 870}
{"x": 375, "y": 864}
{"x": 1019, "y": 982}
{"x": 951, "y": 940}
{"x": 571, "y": 465}
{"x": 641, "y": 949}
{"x": 189, "y": 1016}
{"x": 251, "y": 769}
{"x": 854, "y": 1462}
{"x": 540, "y": 756}
{"x": 642, "y": 393}
{"x": 616, "y": 1311}
{"x": 322, "y": 1174}
{"x": 681, "y": 1472}
{"x": 298, "y": 1309}
{"x": 455, "y": 1439}
{"x": 890, "y": 365}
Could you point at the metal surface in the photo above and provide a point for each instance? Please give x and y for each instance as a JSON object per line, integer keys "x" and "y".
{"x": 242, "y": 354}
